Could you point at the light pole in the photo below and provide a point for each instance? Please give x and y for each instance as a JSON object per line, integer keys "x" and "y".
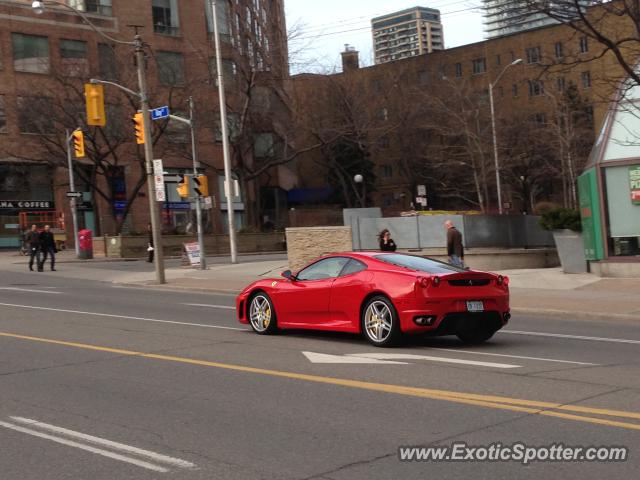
{"x": 137, "y": 43}
{"x": 360, "y": 179}
{"x": 493, "y": 131}
{"x": 225, "y": 138}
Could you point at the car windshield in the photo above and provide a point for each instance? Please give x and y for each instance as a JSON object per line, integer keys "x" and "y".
{"x": 418, "y": 263}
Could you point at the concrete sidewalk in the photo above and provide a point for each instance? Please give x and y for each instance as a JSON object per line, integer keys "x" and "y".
{"x": 543, "y": 291}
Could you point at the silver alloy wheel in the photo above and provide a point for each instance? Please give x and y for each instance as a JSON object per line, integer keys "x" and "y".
{"x": 260, "y": 313}
{"x": 378, "y": 321}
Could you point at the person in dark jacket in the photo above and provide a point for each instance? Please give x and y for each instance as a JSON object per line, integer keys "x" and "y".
{"x": 48, "y": 247}
{"x": 150, "y": 248}
{"x": 386, "y": 242}
{"x": 32, "y": 239}
{"x": 455, "y": 250}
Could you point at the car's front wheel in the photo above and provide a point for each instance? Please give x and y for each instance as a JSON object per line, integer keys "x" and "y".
{"x": 380, "y": 322}
{"x": 262, "y": 315}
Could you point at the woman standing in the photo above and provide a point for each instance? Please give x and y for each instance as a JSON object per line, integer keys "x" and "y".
{"x": 386, "y": 242}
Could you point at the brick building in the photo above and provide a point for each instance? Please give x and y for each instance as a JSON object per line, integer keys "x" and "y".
{"x": 389, "y": 98}
{"x": 46, "y": 58}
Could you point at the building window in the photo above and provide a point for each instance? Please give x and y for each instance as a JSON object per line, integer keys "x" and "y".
{"x": 165, "y": 17}
{"x": 533, "y": 55}
{"x": 536, "y": 88}
{"x": 383, "y": 141}
{"x": 479, "y": 65}
{"x": 73, "y": 58}
{"x": 3, "y": 116}
{"x": 387, "y": 171}
{"x": 383, "y": 114}
{"x": 107, "y": 62}
{"x": 98, "y": 7}
{"x": 170, "y": 68}
{"x": 586, "y": 79}
{"x": 498, "y": 60}
{"x": 540, "y": 118}
{"x": 584, "y": 44}
{"x": 35, "y": 115}
{"x": 229, "y": 71}
{"x": 114, "y": 129}
{"x": 222, "y": 11}
{"x": 514, "y": 90}
{"x": 557, "y": 48}
{"x": 458, "y": 70}
{"x": 30, "y": 53}
{"x": 560, "y": 83}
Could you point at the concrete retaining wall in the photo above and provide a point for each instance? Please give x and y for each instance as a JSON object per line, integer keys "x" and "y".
{"x": 307, "y": 243}
{"x": 615, "y": 269}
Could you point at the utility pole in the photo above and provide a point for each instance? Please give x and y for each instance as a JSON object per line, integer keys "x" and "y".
{"x": 148, "y": 158}
{"x": 194, "y": 155}
{"x": 225, "y": 138}
{"x": 72, "y": 188}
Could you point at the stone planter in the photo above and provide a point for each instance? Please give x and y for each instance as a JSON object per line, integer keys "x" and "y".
{"x": 570, "y": 251}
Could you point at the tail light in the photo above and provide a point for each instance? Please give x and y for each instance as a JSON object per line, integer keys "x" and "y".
{"x": 503, "y": 281}
{"x": 500, "y": 279}
{"x": 435, "y": 281}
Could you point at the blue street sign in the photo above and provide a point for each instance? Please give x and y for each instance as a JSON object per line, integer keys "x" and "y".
{"x": 160, "y": 112}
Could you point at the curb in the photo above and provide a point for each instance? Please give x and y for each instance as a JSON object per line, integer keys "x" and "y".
{"x": 593, "y": 315}
{"x": 521, "y": 310}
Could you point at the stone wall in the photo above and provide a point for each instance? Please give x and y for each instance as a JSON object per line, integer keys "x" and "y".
{"x": 307, "y": 243}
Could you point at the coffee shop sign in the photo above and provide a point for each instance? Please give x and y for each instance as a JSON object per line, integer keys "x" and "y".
{"x": 26, "y": 204}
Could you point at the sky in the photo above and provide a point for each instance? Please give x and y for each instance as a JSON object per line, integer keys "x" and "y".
{"x": 323, "y": 27}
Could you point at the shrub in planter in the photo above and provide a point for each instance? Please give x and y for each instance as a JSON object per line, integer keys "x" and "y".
{"x": 566, "y": 226}
{"x": 561, "y": 219}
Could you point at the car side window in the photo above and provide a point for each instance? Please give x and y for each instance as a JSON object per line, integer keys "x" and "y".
{"x": 352, "y": 266}
{"x": 323, "y": 269}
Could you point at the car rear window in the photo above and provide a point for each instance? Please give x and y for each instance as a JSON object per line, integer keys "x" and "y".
{"x": 418, "y": 263}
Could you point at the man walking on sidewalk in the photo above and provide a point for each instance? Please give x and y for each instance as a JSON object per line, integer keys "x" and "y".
{"x": 48, "y": 246}
{"x": 32, "y": 239}
{"x": 455, "y": 250}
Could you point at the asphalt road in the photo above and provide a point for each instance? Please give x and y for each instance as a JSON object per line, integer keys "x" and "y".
{"x": 103, "y": 382}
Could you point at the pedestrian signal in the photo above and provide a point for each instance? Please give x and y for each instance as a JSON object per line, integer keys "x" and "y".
{"x": 183, "y": 186}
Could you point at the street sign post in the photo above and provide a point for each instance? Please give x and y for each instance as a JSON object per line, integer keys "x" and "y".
{"x": 74, "y": 194}
{"x": 161, "y": 195}
{"x": 159, "y": 113}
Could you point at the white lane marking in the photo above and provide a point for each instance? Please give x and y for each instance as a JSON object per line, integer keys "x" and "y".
{"x": 82, "y": 446}
{"x": 409, "y": 356}
{"x": 209, "y": 306}
{"x": 574, "y": 337}
{"x": 142, "y": 319}
{"x": 176, "y": 462}
{"x": 472, "y": 352}
{"x": 315, "y": 357}
{"x": 30, "y": 290}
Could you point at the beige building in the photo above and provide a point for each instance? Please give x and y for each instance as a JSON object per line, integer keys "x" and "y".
{"x": 406, "y": 33}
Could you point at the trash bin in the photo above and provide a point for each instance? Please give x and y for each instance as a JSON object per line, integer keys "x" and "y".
{"x": 85, "y": 244}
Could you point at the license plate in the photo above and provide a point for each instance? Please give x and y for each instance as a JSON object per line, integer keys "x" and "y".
{"x": 475, "y": 306}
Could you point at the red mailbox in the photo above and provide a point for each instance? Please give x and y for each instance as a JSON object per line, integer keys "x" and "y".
{"x": 85, "y": 244}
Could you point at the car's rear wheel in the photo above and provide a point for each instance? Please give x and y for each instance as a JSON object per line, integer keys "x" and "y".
{"x": 262, "y": 315}
{"x": 479, "y": 334}
{"x": 380, "y": 322}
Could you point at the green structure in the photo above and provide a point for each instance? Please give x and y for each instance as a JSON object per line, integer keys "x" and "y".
{"x": 609, "y": 188}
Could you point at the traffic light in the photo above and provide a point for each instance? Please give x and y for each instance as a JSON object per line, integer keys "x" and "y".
{"x": 78, "y": 143}
{"x": 138, "y": 125}
{"x": 94, "y": 99}
{"x": 183, "y": 186}
{"x": 201, "y": 185}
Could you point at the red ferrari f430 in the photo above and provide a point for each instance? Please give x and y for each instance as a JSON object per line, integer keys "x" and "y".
{"x": 381, "y": 296}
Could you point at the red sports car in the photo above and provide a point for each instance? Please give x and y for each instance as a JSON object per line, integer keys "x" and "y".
{"x": 381, "y": 295}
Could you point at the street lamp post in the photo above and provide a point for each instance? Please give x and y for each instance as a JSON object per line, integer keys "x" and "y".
{"x": 137, "y": 43}
{"x": 225, "y": 138}
{"x": 360, "y": 179}
{"x": 493, "y": 131}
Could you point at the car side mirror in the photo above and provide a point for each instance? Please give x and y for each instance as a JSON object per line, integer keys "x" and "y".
{"x": 288, "y": 275}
